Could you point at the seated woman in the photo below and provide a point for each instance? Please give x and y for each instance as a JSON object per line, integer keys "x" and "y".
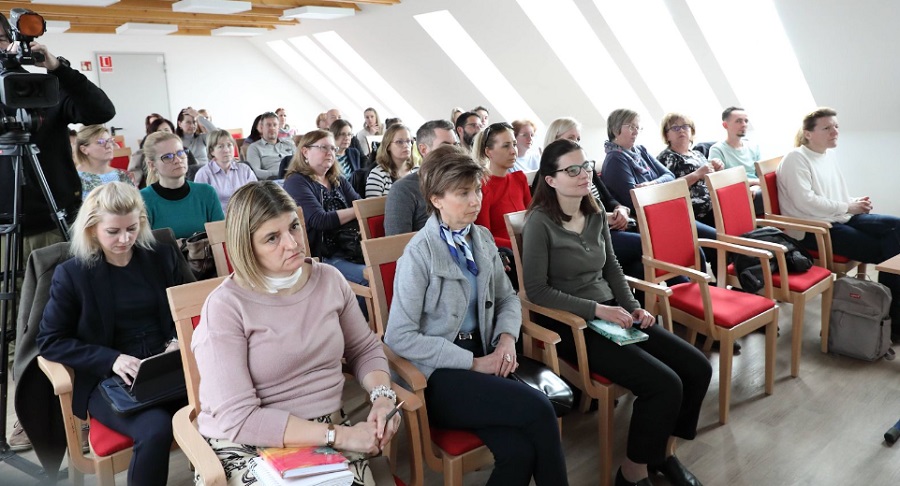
{"x": 811, "y": 186}
{"x": 393, "y": 160}
{"x": 270, "y": 342}
{"x": 691, "y": 165}
{"x": 503, "y": 192}
{"x": 526, "y": 158}
{"x": 104, "y": 316}
{"x": 315, "y": 183}
{"x": 372, "y": 126}
{"x": 348, "y": 158}
{"x": 173, "y": 202}
{"x": 465, "y": 346}
{"x": 571, "y": 266}
{"x": 628, "y": 165}
{"x": 222, "y": 172}
{"x": 192, "y": 138}
{"x": 284, "y": 130}
{"x": 255, "y": 135}
{"x": 95, "y": 152}
{"x": 137, "y": 167}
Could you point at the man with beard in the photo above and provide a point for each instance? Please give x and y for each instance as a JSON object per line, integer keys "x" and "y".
{"x": 736, "y": 151}
{"x": 467, "y": 126}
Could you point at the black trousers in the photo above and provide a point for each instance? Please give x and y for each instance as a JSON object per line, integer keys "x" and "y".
{"x": 668, "y": 376}
{"x": 516, "y": 422}
{"x": 151, "y": 430}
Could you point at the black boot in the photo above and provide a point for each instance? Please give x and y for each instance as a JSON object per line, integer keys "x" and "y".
{"x": 621, "y": 481}
{"x": 675, "y": 472}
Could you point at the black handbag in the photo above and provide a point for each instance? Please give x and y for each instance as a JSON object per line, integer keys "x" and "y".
{"x": 198, "y": 253}
{"x": 114, "y": 391}
{"x": 347, "y": 241}
{"x": 538, "y": 376}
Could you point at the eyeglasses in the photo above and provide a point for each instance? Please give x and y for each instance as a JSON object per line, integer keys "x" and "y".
{"x": 402, "y": 143}
{"x": 575, "y": 170}
{"x": 170, "y": 158}
{"x": 345, "y": 134}
{"x": 326, "y": 148}
{"x": 478, "y": 125}
{"x": 224, "y": 146}
{"x": 634, "y": 128}
{"x": 103, "y": 141}
{"x": 495, "y": 126}
{"x": 680, "y": 128}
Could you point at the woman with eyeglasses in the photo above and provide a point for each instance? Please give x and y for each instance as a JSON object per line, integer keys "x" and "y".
{"x": 192, "y": 138}
{"x": 223, "y": 173}
{"x": 172, "y": 201}
{"x": 348, "y": 158}
{"x": 316, "y": 184}
{"x": 95, "y": 152}
{"x": 503, "y": 192}
{"x": 393, "y": 160}
{"x": 572, "y": 267}
{"x": 687, "y": 164}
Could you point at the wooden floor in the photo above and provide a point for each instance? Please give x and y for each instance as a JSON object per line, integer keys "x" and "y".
{"x": 823, "y": 428}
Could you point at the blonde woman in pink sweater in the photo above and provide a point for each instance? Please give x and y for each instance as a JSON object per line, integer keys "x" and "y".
{"x": 270, "y": 342}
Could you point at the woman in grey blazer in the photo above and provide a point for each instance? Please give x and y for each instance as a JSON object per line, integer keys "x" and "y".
{"x": 456, "y": 318}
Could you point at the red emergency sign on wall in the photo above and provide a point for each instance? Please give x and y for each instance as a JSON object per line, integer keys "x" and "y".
{"x": 105, "y": 64}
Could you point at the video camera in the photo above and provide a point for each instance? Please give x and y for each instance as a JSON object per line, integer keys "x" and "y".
{"x": 21, "y": 92}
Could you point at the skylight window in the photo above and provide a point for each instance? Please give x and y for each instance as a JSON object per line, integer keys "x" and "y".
{"x": 340, "y": 77}
{"x": 381, "y": 90}
{"x": 312, "y": 75}
{"x": 450, "y": 36}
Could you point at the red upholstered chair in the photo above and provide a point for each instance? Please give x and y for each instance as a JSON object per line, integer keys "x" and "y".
{"x": 592, "y": 385}
{"x": 733, "y": 209}
{"x": 452, "y": 452}
{"x": 671, "y": 248}
{"x": 186, "y": 302}
{"x": 768, "y": 181}
{"x": 370, "y": 214}
{"x": 121, "y": 158}
{"x": 110, "y": 451}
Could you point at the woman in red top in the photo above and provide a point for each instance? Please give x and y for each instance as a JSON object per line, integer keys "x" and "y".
{"x": 503, "y": 192}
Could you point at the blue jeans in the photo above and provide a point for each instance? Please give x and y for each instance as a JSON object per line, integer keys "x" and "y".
{"x": 353, "y": 272}
{"x": 869, "y": 238}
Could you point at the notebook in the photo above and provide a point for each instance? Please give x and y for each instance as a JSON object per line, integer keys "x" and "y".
{"x": 616, "y": 333}
{"x": 268, "y": 476}
{"x": 156, "y": 375}
{"x": 295, "y": 462}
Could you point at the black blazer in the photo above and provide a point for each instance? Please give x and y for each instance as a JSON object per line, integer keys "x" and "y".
{"x": 78, "y": 323}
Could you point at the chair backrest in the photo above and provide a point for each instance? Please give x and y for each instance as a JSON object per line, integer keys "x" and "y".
{"x": 732, "y": 202}
{"x": 374, "y": 141}
{"x": 514, "y": 224}
{"x": 666, "y": 220}
{"x": 121, "y": 158}
{"x": 370, "y": 214}
{"x": 186, "y": 302}
{"x": 381, "y": 256}
{"x": 768, "y": 181}
{"x": 529, "y": 176}
{"x": 215, "y": 231}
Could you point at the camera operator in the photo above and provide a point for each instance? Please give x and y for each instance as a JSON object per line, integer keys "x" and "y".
{"x": 80, "y": 101}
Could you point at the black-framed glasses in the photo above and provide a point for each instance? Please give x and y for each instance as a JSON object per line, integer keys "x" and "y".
{"x": 680, "y": 128}
{"x": 170, "y": 158}
{"x": 575, "y": 170}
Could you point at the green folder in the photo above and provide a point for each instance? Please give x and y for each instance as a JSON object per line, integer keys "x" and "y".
{"x": 616, "y": 333}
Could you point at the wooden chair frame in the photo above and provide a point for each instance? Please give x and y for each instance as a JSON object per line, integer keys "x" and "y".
{"x": 365, "y": 209}
{"x": 579, "y": 374}
{"x": 186, "y": 301}
{"x": 678, "y": 189}
{"x": 105, "y": 467}
{"x": 769, "y": 166}
{"x": 783, "y": 293}
{"x": 380, "y": 251}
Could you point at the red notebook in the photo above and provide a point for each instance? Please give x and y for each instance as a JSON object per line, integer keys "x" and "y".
{"x": 298, "y": 462}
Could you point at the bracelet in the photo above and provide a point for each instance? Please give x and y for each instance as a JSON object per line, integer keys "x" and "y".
{"x": 170, "y": 341}
{"x": 382, "y": 391}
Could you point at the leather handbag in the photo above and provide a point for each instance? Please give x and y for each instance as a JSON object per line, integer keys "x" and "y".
{"x": 348, "y": 243}
{"x": 199, "y": 255}
{"x": 538, "y": 376}
{"x": 114, "y": 391}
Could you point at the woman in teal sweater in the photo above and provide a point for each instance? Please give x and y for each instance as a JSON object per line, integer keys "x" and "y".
{"x": 173, "y": 202}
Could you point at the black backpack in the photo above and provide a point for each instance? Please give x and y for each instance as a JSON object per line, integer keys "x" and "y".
{"x": 749, "y": 272}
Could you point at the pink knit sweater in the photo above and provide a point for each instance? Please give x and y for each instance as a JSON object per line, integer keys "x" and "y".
{"x": 264, "y": 357}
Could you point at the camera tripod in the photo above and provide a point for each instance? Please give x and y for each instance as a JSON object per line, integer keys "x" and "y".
{"x": 19, "y": 151}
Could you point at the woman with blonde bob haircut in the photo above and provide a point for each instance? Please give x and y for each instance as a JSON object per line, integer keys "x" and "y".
{"x": 270, "y": 343}
{"x": 107, "y": 312}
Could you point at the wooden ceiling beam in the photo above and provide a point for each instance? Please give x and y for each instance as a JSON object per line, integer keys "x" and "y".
{"x": 136, "y": 14}
{"x": 112, "y": 23}
{"x": 236, "y": 22}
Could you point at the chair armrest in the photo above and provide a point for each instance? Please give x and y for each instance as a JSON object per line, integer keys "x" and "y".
{"x": 195, "y": 447}
{"x": 361, "y": 290}
{"x": 60, "y": 376}
{"x": 541, "y": 334}
{"x": 557, "y": 315}
{"x": 735, "y": 248}
{"x": 411, "y": 402}
{"x": 690, "y": 273}
{"x": 806, "y": 222}
{"x": 647, "y": 287}
{"x": 774, "y": 248}
{"x": 409, "y": 373}
{"x": 786, "y": 225}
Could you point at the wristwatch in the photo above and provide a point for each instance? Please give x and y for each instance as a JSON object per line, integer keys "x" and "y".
{"x": 330, "y": 436}
{"x": 63, "y": 62}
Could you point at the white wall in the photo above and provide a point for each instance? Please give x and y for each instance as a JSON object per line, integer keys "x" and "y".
{"x": 227, "y": 76}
